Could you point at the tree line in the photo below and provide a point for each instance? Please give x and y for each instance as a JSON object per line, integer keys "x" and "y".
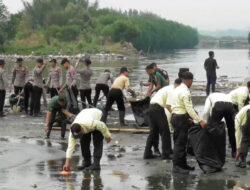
{"x": 77, "y": 25}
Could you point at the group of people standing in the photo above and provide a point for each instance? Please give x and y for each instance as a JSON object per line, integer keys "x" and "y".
{"x": 170, "y": 109}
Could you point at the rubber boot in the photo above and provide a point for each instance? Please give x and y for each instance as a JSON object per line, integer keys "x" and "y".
{"x": 121, "y": 117}
{"x": 242, "y": 163}
{"x": 95, "y": 165}
{"x": 85, "y": 164}
{"x": 63, "y": 130}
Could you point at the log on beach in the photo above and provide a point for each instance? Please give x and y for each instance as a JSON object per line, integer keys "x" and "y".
{"x": 118, "y": 130}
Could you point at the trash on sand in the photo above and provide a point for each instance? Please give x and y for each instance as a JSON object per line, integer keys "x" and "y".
{"x": 111, "y": 156}
{"x": 64, "y": 173}
{"x": 34, "y": 186}
{"x": 120, "y": 174}
{"x": 116, "y": 142}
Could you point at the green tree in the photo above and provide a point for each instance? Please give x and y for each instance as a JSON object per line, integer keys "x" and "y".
{"x": 124, "y": 31}
{"x": 68, "y": 33}
{"x": 3, "y": 23}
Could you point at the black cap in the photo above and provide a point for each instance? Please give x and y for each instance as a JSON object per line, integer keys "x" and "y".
{"x": 2, "y": 62}
{"x": 123, "y": 70}
{"x": 52, "y": 60}
{"x": 187, "y": 76}
{"x": 40, "y": 60}
{"x": 19, "y": 60}
{"x": 65, "y": 60}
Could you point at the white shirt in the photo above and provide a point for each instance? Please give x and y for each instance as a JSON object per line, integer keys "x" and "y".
{"x": 182, "y": 103}
{"x": 89, "y": 120}
{"x": 210, "y": 102}
{"x": 162, "y": 96}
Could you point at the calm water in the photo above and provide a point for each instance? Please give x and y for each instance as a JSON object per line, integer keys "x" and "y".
{"x": 233, "y": 63}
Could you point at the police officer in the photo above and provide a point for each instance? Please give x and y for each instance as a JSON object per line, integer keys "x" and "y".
{"x": 3, "y": 86}
{"x": 239, "y": 96}
{"x": 57, "y": 113}
{"x": 85, "y": 86}
{"x": 37, "y": 87}
{"x": 71, "y": 85}
{"x": 159, "y": 123}
{"x": 102, "y": 85}
{"x": 20, "y": 76}
{"x": 115, "y": 94}
{"x": 217, "y": 107}
{"x": 86, "y": 124}
{"x": 182, "y": 111}
{"x": 55, "y": 79}
{"x": 242, "y": 128}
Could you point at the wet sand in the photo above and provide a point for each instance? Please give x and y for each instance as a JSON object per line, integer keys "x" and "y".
{"x": 28, "y": 161}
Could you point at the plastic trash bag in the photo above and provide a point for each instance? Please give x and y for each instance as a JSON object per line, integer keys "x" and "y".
{"x": 140, "y": 109}
{"x": 72, "y": 104}
{"x": 209, "y": 146}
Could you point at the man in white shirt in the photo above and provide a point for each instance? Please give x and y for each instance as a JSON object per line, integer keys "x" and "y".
{"x": 159, "y": 123}
{"x": 183, "y": 110}
{"x": 88, "y": 123}
{"x": 240, "y": 96}
{"x": 217, "y": 107}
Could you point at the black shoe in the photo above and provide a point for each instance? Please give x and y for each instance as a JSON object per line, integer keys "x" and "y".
{"x": 167, "y": 157}
{"x": 241, "y": 164}
{"x": 84, "y": 166}
{"x": 149, "y": 156}
{"x": 209, "y": 170}
{"x": 157, "y": 153}
{"x": 2, "y": 115}
{"x": 180, "y": 170}
{"x": 94, "y": 167}
{"x": 187, "y": 167}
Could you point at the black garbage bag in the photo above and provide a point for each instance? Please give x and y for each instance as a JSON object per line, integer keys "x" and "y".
{"x": 209, "y": 146}
{"x": 140, "y": 109}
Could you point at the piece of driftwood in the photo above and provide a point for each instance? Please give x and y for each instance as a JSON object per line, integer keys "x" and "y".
{"x": 117, "y": 130}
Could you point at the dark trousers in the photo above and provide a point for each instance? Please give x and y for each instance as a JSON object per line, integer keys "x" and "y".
{"x": 158, "y": 124}
{"x": 225, "y": 110}
{"x": 17, "y": 90}
{"x": 36, "y": 100}
{"x": 2, "y": 99}
{"x": 28, "y": 88}
{"x": 53, "y": 92}
{"x": 86, "y": 94}
{"x": 72, "y": 104}
{"x": 98, "y": 146}
{"x": 98, "y": 88}
{"x": 61, "y": 119}
{"x": 211, "y": 81}
{"x": 181, "y": 124}
{"x": 115, "y": 95}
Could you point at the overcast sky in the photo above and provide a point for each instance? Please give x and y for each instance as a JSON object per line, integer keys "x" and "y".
{"x": 201, "y": 14}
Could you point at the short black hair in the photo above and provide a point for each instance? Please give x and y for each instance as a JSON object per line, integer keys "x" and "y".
{"x": 75, "y": 130}
{"x": 210, "y": 53}
{"x": 39, "y": 60}
{"x": 53, "y": 60}
{"x": 2, "y": 62}
{"x": 248, "y": 84}
{"x": 64, "y": 60}
{"x": 87, "y": 61}
{"x": 178, "y": 81}
{"x": 19, "y": 59}
{"x": 107, "y": 70}
{"x": 153, "y": 64}
{"x": 187, "y": 76}
{"x": 149, "y": 67}
{"x": 123, "y": 70}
